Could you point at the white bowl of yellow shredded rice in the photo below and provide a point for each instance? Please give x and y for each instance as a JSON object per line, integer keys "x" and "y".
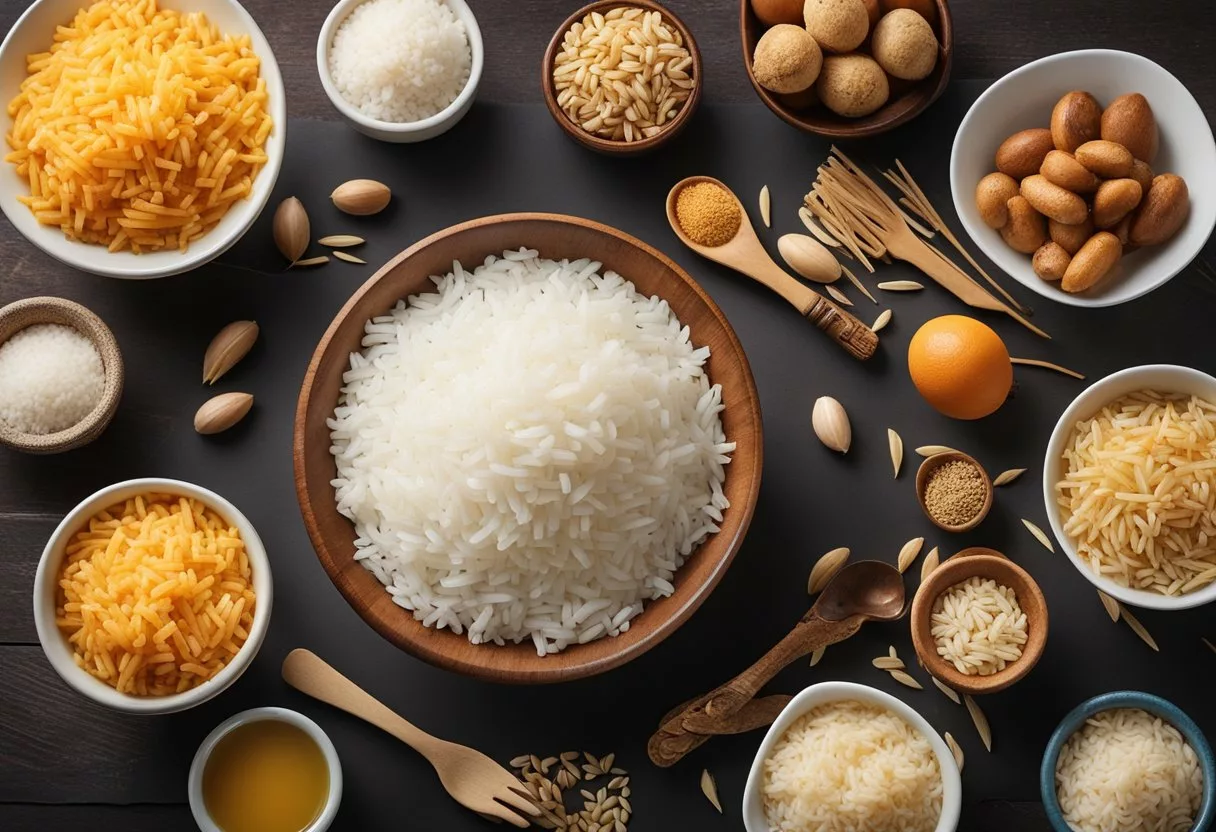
{"x": 152, "y": 596}
{"x": 154, "y": 168}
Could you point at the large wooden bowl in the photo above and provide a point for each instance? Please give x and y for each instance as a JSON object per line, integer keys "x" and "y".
{"x": 908, "y": 98}
{"x": 555, "y": 237}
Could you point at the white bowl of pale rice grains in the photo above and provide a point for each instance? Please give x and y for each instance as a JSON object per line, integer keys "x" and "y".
{"x": 1129, "y": 485}
{"x": 401, "y": 70}
{"x": 622, "y": 78}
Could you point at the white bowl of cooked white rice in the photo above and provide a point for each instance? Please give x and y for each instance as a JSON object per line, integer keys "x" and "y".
{"x": 829, "y": 762}
{"x": 401, "y": 70}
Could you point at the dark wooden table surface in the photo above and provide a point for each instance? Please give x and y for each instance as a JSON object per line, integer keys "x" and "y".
{"x": 992, "y": 37}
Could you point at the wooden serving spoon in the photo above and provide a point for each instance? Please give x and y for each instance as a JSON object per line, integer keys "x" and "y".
{"x": 865, "y": 591}
{"x": 746, "y": 255}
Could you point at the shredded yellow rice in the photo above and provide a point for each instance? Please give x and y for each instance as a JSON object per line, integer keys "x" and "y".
{"x": 155, "y": 595}
{"x": 140, "y": 127}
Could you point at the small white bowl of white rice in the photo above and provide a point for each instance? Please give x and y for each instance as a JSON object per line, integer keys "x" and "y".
{"x": 401, "y": 70}
{"x": 843, "y": 757}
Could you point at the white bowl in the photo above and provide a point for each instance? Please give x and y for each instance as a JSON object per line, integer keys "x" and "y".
{"x": 1024, "y": 98}
{"x": 824, "y": 692}
{"x": 1165, "y": 378}
{"x": 59, "y": 652}
{"x": 194, "y": 789}
{"x": 402, "y": 132}
{"x": 32, "y": 33}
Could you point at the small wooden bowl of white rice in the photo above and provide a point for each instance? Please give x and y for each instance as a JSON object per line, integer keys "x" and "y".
{"x": 900, "y": 773}
{"x": 493, "y": 621}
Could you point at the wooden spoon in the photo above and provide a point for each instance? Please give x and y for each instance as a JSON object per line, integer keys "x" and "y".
{"x": 746, "y": 255}
{"x": 865, "y": 591}
{"x": 473, "y": 779}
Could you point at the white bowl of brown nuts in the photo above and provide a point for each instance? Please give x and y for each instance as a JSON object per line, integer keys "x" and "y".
{"x": 1088, "y": 176}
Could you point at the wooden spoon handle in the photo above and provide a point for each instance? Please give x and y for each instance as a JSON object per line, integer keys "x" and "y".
{"x": 857, "y": 339}
{"x": 308, "y": 673}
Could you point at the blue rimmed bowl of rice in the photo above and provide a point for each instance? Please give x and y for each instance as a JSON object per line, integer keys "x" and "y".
{"x": 401, "y": 70}
{"x": 1126, "y": 761}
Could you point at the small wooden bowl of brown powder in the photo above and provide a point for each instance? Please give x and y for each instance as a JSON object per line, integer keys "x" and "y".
{"x": 954, "y": 490}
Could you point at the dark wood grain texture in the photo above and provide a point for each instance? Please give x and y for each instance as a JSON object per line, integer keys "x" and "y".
{"x": 907, "y": 100}
{"x": 408, "y": 273}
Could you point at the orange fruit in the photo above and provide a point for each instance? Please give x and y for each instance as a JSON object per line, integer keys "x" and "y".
{"x": 960, "y": 366}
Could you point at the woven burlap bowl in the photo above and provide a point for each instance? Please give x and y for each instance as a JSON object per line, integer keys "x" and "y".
{"x": 31, "y": 311}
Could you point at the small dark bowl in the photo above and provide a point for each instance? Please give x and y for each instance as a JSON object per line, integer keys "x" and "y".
{"x": 922, "y": 480}
{"x": 1155, "y": 705}
{"x": 908, "y": 98}
{"x": 609, "y": 146}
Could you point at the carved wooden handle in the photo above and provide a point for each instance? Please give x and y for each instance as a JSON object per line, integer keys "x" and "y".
{"x": 858, "y": 339}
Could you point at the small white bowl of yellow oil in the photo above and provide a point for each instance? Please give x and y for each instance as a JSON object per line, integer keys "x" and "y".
{"x": 265, "y": 770}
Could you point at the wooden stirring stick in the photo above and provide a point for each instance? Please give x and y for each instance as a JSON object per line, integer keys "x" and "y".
{"x": 746, "y": 255}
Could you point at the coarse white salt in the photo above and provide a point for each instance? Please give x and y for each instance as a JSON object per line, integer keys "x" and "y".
{"x": 400, "y": 60}
{"x": 51, "y": 377}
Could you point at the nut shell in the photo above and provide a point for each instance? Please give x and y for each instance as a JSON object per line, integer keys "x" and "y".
{"x": 1162, "y": 212}
{"x": 1092, "y": 263}
{"x": 291, "y": 229}
{"x": 1075, "y": 120}
{"x": 1115, "y": 200}
{"x": 1129, "y": 121}
{"x": 361, "y": 197}
{"x": 991, "y": 195}
{"x": 831, "y": 424}
{"x": 1022, "y": 154}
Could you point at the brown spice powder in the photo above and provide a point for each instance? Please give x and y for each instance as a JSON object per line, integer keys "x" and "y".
{"x": 955, "y": 493}
{"x": 707, "y": 214}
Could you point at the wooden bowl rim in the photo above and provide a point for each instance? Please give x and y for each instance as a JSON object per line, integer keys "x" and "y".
{"x": 54, "y": 310}
{"x": 929, "y": 465}
{"x": 945, "y": 36}
{"x": 610, "y": 146}
{"x": 957, "y": 569}
{"x": 431, "y": 645}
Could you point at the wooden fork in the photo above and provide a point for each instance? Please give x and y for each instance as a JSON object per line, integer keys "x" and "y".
{"x": 473, "y": 779}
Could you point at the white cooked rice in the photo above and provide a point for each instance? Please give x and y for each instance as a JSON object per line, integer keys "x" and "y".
{"x": 1126, "y": 770}
{"x": 1138, "y": 497}
{"x": 400, "y": 60}
{"x": 849, "y": 766}
{"x": 530, "y": 451}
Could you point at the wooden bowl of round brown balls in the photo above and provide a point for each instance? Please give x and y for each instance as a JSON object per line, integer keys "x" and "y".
{"x": 34, "y": 318}
{"x": 679, "y": 81}
{"x": 858, "y": 79}
{"x": 954, "y": 491}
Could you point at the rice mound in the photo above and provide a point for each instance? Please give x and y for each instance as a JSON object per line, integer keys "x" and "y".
{"x": 1127, "y": 770}
{"x": 848, "y": 766}
{"x": 530, "y": 451}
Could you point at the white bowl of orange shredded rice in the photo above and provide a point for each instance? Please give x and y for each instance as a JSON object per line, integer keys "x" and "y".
{"x": 152, "y": 596}
{"x": 143, "y": 137}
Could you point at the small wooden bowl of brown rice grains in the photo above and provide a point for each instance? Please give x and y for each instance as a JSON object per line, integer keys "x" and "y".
{"x": 640, "y": 88}
{"x": 197, "y": 593}
{"x": 979, "y": 622}
{"x": 1127, "y": 761}
{"x": 1129, "y": 486}
{"x": 837, "y": 732}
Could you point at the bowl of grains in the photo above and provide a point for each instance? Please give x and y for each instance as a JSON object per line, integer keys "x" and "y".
{"x": 195, "y": 586}
{"x": 1129, "y": 484}
{"x": 622, "y": 77}
{"x": 979, "y": 622}
{"x": 401, "y": 70}
{"x": 163, "y": 167}
{"x": 61, "y": 375}
{"x": 954, "y": 490}
{"x": 1127, "y": 761}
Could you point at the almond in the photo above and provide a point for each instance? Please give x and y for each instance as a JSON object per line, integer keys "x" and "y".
{"x": 1107, "y": 159}
{"x": 1075, "y": 120}
{"x": 220, "y": 413}
{"x": 291, "y": 228}
{"x": 230, "y": 345}
{"x": 1162, "y": 212}
{"x": 1070, "y": 237}
{"x": 1129, "y": 121}
{"x": 1061, "y": 168}
{"x": 831, "y": 424}
{"x": 1051, "y": 261}
{"x": 1115, "y": 200}
{"x": 1052, "y": 201}
{"x": 991, "y": 194}
{"x": 1095, "y": 259}
{"x": 1022, "y": 154}
{"x": 361, "y": 197}
{"x": 1026, "y": 229}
